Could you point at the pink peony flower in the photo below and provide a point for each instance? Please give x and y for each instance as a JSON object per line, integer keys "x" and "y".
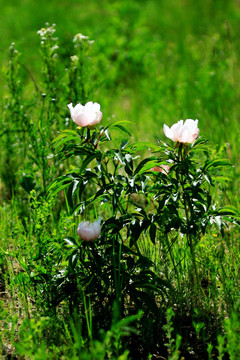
{"x": 89, "y": 231}
{"x": 88, "y": 115}
{"x": 163, "y": 169}
{"x": 182, "y": 132}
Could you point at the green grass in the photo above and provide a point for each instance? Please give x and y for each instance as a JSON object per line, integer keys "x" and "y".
{"x": 152, "y": 63}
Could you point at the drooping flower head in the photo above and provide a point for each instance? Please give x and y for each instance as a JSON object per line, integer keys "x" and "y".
{"x": 182, "y": 132}
{"x": 89, "y": 231}
{"x": 88, "y": 115}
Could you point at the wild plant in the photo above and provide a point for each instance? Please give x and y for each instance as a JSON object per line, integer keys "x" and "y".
{"x": 49, "y": 54}
{"x": 85, "y": 264}
{"x": 37, "y": 112}
{"x": 166, "y": 196}
{"x": 14, "y": 133}
{"x": 172, "y": 345}
{"x": 78, "y": 72}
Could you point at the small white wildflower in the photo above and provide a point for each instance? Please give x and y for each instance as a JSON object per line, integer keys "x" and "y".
{"x": 80, "y": 37}
{"x": 42, "y": 32}
{"x": 74, "y": 58}
{"x": 48, "y": 31}
{"x": 55, "y": 47}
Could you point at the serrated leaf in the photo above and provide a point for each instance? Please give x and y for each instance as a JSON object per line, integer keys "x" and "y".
{"x": 228, "y": 210}
{"x": 222, "y": 179}
{"x": 65, "y": 136}
{"x": 144, "y": 146}
{"x": 217, "y": 163}
{"x": 88, "y": 160}
{"x": 146, "y": 164}
{"x": 200, "y": 140}
{"x": 57, "y": 185}
{"x": 122, "y": 128}
{"x": 118, "y": 122}
{"x": 64, "y": 140}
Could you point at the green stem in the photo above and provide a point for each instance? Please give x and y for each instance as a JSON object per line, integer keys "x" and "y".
{"x": 117, "y": 275}
{"x": 189, "y": 236}
{"x": 173, "y": 261}
{"x": 120, "y": 206}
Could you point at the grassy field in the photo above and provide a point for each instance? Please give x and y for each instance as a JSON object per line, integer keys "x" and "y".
{"x": 161, "y": 278}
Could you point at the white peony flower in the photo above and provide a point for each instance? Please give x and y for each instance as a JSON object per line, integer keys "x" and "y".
{"x": 182, "y": 132}
{"x": 88, "y": 115}
{"x": 89, "y": 231}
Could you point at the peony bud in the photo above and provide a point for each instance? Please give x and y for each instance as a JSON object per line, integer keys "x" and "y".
{"x": 182, "y": 132}
{"x": 163, "y": 169}
{"x": 89, "y": 231}
{"x": 88, "y": 115}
